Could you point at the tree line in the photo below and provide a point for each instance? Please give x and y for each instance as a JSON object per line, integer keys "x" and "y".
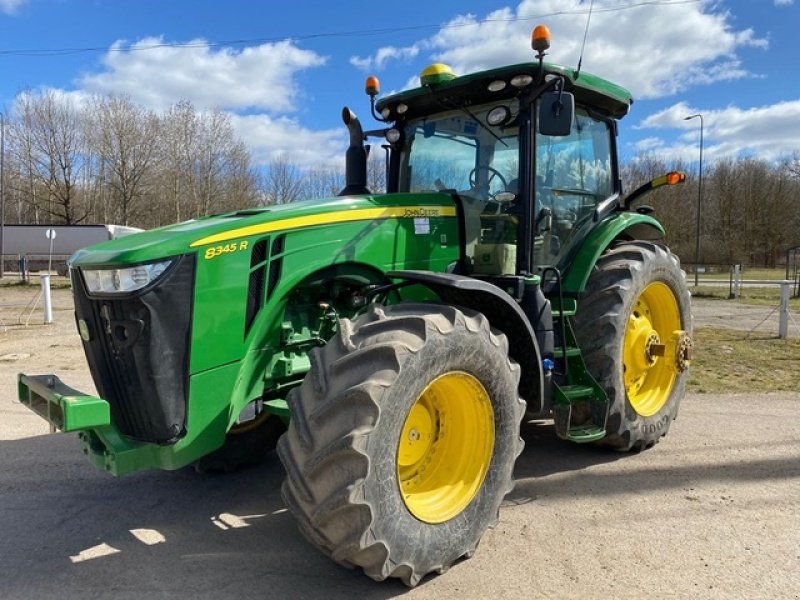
{"x": 749, "y": 208}
{"x": 109, "y": 160}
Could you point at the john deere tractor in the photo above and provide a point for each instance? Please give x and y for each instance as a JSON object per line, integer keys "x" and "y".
{"x": 391, "y": 344}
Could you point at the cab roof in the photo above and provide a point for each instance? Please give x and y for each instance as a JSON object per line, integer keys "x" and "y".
{"x": 589, "y": 90}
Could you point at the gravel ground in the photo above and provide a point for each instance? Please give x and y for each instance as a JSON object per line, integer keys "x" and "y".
{"x": 711, "y": 512}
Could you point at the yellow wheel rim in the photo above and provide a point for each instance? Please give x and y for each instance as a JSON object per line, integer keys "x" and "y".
{"x": 446, "y": 447}
{"x": 649, "y": 372}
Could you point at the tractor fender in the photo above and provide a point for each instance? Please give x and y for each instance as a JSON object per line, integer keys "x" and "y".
{"x": 503, "y": 313}
{"x": 250, "y": 381}
{"x": 619, "y": 226}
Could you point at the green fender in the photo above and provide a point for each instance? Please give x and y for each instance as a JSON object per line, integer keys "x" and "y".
{"x": 626, "y": 225}
{"x": 259, "y": 359}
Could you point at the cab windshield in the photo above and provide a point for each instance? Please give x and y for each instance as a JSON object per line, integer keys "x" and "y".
{"x": 460, "y": 151}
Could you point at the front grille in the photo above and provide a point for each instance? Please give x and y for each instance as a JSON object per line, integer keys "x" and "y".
{"x": 138, "y": 353}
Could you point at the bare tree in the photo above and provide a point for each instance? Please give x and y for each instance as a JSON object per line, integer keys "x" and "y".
{"x": 282, "y": 182}
{"x": 218, "y": 156}
{"x": 126, "y": 142}
{"x": 376, "y": 170}
{"x": 48, "y": 137}
{"x": 322, "y": 182}
{"x": 176, "y": 156}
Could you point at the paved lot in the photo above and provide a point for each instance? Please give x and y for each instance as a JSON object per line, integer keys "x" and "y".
{"x": 711, "y": 512}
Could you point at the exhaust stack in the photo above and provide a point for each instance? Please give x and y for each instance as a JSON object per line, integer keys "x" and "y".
{"x": 355, "y": 172}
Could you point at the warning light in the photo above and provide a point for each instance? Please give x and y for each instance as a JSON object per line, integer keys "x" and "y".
{"x": 675, "y": 177}
{"x": 372, "y": 86}
{"x": 540, "y": 39}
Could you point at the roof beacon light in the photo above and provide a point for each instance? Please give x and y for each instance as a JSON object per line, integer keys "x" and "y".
{"x": 435, "y": 74}
{"x": 372, "y": 86}
{"x": 540, "y": 39}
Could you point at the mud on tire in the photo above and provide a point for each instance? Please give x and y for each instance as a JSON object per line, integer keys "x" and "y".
{"x": 342, "y": 448}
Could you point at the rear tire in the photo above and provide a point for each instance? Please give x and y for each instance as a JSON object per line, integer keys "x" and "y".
{"x": 401, "y": 399}
{"x": 635, "y": 301}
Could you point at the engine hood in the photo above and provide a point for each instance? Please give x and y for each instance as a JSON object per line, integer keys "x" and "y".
{"x": 199, "y": 234}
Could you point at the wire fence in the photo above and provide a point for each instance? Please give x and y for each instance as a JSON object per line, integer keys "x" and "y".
{"x": 721, "y": 275}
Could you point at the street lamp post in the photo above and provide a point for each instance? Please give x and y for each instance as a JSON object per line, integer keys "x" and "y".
{"x": 699, "y": 198}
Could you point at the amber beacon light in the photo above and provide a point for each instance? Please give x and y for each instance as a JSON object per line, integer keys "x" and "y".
{"x": 372, "y": 86}
{"x": 540, "y": 38}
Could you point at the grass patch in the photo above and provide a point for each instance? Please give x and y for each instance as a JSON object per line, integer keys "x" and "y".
{"x": 729, "y": 361}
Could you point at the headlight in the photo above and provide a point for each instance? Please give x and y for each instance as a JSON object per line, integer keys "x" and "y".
{"x": 119, "y": 281}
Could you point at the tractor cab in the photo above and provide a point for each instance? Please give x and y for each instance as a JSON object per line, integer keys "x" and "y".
{"x": 528, "y": 192}
{"x": 526, "y": 151}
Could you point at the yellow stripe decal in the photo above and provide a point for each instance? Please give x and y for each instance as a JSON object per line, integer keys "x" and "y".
{"x": 343, "y": 216}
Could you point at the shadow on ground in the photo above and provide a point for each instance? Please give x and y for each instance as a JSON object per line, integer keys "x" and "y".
{"x": 78, "y": 532}
{"x": 224, "y": 536}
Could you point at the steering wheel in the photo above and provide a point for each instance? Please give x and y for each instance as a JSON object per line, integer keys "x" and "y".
{"x": 473, "y": 179}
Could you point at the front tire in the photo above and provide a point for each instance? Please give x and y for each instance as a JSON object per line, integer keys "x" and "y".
{"x": 633, "y": 325}
{"x": 402, "y": 440}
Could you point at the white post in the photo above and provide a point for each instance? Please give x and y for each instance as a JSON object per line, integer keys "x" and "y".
{"x": 48, "y": 305}
{"x": 783, "y": 321}
{"x": 737, "y": 280}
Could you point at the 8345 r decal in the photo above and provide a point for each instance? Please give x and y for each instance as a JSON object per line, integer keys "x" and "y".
{"x": 215, "y": 251}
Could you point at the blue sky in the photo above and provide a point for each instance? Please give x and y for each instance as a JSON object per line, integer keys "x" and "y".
{"x": 284, "y": 70}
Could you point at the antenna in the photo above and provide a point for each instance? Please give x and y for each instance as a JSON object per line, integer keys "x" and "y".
{"x": 585, "y": 33}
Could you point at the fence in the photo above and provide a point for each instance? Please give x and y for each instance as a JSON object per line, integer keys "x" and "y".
{"x": 713, "y": 274}
{"x": 23, "y": 265}
{"x": 758, "y": 315}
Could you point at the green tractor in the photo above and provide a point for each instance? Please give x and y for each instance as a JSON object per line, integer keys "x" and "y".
{"x": 390, "y": 345}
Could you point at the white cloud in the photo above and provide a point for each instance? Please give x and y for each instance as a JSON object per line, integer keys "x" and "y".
{"x": 383, "y": 56}
{"x": 654, "y": 50}
{"x": 769, "y": 132}
{"x": 267, "y": 138}
{"x": 784, "y": 2}
{"x": 649, "y": 144}
{"x": 258, "y": 77}
{"x": 11, "y": 6}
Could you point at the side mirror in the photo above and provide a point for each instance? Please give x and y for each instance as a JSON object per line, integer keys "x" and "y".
{"x": 555, "y": 113}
